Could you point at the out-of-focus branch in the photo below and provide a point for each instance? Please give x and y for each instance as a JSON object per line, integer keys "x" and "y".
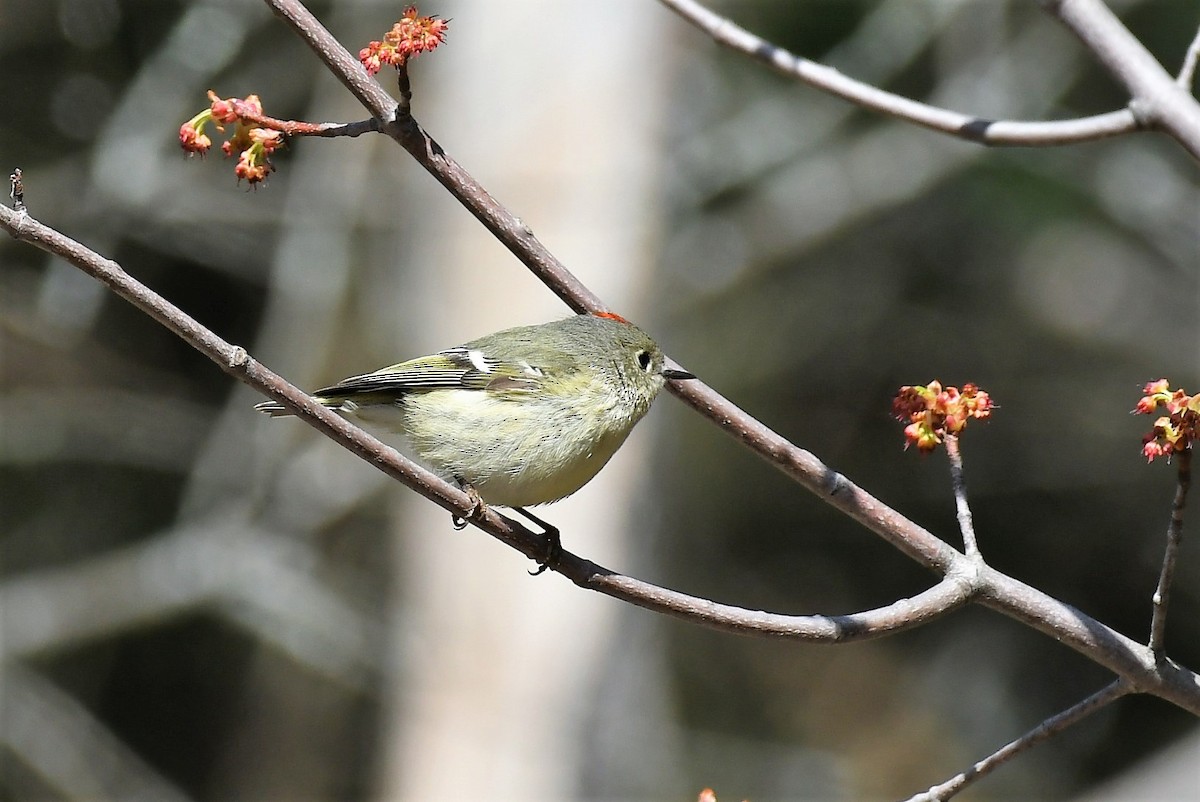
{"x": 1162, "y": 593}
{"x": 71, "y": 751}
{"x": 1047, "y": 729}
{"x": 1188, "y": 71}
{"x": 249, "y": 574}
{"x": 1158, "y": 100}
{"x": 964, "y": 126}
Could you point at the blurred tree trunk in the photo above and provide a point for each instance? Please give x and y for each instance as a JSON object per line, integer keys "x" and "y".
{"x": 495, "y": 670}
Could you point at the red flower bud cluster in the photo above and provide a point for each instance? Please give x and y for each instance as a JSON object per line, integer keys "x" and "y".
{"x": 411, "y": 36}
{"x": 1175, "y": 431}
{"x": 253, "y": 144}
{"x": 932, "y": 412}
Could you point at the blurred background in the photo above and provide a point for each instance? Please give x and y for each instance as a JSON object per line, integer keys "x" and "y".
{"x": 198, "y": 603}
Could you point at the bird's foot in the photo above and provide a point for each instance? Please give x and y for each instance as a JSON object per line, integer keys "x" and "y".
{"x": 477, "y": 506}
{"x": 553, "y": 545}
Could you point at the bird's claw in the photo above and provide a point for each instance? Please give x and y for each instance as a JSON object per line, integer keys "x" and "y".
{"x": 460, "y": 522}
{"x": 554, "y": 547}
{"x": 553, "y": 553}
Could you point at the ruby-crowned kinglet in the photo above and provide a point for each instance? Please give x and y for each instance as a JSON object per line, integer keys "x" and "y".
{"x": 521, "y": 417}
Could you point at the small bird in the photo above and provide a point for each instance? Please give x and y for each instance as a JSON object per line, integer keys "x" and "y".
{"x": 517, "y": 418}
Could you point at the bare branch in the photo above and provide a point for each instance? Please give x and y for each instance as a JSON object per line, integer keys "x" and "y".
{"x": 299, "y": 128}
{"x": 950, "y": 593}
{"x": 1162, "y": 593}
{"x": 963, "y": 126}
{"x": 236, "y": 362}
{"x": 915, "y": 541}
{"x": 1123, "y": 656}
{"x": 1044, "y": 731}
{"x": 342, "y": 65}
{"x": 1099, "y": 642}
{"x": 964, "y": 577}
{"x": 1158, "y": 100}
{"x": 1128, "y": 659}
{"x": 959, "y": 483}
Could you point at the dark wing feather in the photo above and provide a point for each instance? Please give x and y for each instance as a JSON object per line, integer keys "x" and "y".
{"x": 460, "y": 368}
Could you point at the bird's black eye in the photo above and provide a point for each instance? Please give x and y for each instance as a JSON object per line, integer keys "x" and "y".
{"x": 643, "y": 358}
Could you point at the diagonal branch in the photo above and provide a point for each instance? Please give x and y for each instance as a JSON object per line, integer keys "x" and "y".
{"x": 951, "y": 592}
{"x": 74, "y": 754}
{"x": 1123, "y": 656}
{"x": 1044, "y": 731}
{"x": 963, "y": 126}
{"x": 964, "y": 578}
{"x": 1098, "y": 642}
{"x": 803, "y": 467}
{"x": 1188, "y": 71}
{"x": 236, "y": 362}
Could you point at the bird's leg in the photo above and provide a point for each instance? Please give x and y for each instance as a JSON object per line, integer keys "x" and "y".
{"x": 551, "y": 532}
{"x": 477, "y": 505}
{"x": 553, "y": 551}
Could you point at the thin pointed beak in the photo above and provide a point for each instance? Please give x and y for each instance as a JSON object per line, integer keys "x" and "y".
{"x": 672, "y": 373}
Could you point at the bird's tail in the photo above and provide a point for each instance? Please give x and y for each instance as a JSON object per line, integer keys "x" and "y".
{"x": 275, "y": 409}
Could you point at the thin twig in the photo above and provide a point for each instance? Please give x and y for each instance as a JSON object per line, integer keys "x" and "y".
{"x": 1047, "y": 729}
{"x": 1188, "y": 71}
{"x": 404, "y": 88}
{"x": 963, "y": 126}
{"x": 959, "y": 482}
{"x": 17, "y": 190}
{"x": 249, "y": 113}
{"x": 1162, "y": 594}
